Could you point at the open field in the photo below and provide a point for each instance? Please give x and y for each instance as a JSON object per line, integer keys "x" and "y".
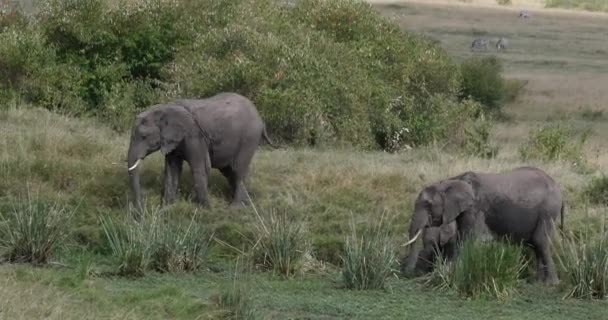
{"x": 81, "y": 163}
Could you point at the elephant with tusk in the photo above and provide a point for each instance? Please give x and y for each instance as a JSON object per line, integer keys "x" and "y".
{"x": 222, "y": 131}
{"x": 521, "y": 205}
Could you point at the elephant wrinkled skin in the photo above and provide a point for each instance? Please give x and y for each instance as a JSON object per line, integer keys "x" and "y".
{"x": 222, "y": 131}
{"x": 521, "y": 205}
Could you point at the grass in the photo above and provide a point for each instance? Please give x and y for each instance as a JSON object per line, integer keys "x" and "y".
{"x": 369, "y": 257}
{"x": 591, "y": 5}
{"x": 80, "y": 163}
{"x": 482, "y": 269}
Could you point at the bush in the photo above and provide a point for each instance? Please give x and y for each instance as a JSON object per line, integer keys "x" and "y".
{"x": 32, "y": 230}
{"x": 477, "y": 139}
{"x": 597, "y": 191}
{"x": 554, "y": 142}
{"x": 504, "y": 2}
{"x": 282, "y": 244}
{"x": 584, "y": 265}
{"x": 369, "y": 258}
{"x": 483, "y": 82}
{"x": 490, "y": 269}
{"x": 152, "y": 243}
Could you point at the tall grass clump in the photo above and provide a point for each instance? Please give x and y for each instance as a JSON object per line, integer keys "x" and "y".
{"x": 32, "y": 229}
{"x": 482, "y": 269}
{"x": 235, "y": 299}
{"x": 282, "y": 243}
{"x": 554, "y": 142}
{"x": 369, "y": 257}
{"x": 583, "y": 262}
{"x": 151, "y": 243}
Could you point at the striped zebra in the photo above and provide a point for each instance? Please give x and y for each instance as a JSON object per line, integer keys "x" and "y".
{"x": 501, "y": 44}
{"x": 524, "y": 14}
{"x": 480, "y": 44}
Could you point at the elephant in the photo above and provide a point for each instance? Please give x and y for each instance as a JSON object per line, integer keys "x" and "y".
{"x": 521, "y": 205}
{"x": 222, "y": 131}
{"x": 437, "y": 240}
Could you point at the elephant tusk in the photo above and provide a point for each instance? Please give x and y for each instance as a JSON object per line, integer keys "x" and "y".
{"x": 413, "y": 239}
{"x": 135, "y": 165}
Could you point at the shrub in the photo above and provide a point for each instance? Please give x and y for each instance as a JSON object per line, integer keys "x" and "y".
{"x": 490, "y": 269}
{"x": 282, "y": 243}
{"x": 483, "y": 82}
{"x": 597, "y": 190}
{"x": 554, "y": 142}
{"x": 477, "y": 139}
{"x": 504, "y": 2}
{"x": 584, "y": 265}
{"x": 32, "y": 230}
{"x": 369, "y": 258}
{"x": 130, "y": 244}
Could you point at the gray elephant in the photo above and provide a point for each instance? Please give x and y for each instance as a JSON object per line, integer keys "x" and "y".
{"x": 521, "y": 205}
{"x": 222, "y": 131}
{"x": 437, "y": 240}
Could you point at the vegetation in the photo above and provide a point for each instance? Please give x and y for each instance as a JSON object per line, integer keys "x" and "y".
{"x": 282, "y": 243}
{"x": 32, "y": 230}
{"x": 596, "y": 191}
{"x": 369, "y": 258}
{"x": 554, "y": 142}
{"x": 483, "y": 82}
{"x": 490, "y": 269}
{"x": 584, "y": 264}
{"x": 324, "y": 74}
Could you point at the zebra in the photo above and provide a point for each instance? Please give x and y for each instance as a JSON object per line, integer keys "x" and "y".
{"x": 524, "y": 14}
{"x": 480, "y": 43}
{"x": 501, "y": 44}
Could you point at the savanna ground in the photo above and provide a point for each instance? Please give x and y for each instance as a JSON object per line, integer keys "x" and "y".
{"x": 563, "y": 56}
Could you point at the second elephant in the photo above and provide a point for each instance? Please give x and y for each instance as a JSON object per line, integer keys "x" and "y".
{"x": 521, "y": 205}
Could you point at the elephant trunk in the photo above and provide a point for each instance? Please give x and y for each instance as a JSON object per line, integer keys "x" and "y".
{"x": 419, "y": 221}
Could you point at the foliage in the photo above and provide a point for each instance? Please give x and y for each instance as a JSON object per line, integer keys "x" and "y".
{"x": 483, "y": 82}
{"x": 504, "y": 2}
{"x": 489, "y": 268}
{"x": 32, "y": 230}
{"x": 583, "y": 262}
{"x": 368, "y": 258}
{"x": 596, "y": 190}
{"x": 554, "y": 142}
{"x": 320, "y": 72}
{"x": 477, "y": 139}
{"x": 282, "y": 243}
{"x": 148, "y": 242}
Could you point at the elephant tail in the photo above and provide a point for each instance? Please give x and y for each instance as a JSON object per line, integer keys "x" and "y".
{"x": 267, "y": 139}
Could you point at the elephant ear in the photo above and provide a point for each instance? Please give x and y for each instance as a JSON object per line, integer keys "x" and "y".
{"x": 457, "y": 198}
{"x": 172, "y": 131}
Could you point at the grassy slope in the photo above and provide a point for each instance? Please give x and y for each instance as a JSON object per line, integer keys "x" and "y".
{"x": 81, "y": 163}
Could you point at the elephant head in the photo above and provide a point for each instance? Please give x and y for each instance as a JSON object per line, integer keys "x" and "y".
{"x": 163, "y": 127}
{"x": 435, "y": 212}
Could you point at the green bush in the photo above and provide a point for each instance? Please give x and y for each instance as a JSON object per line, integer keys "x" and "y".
{"x": 583, "y": 263}
{"x": 368, "y": 258}
{"x": 597, "y": 191}
{"x": 483, "y": 82}
{"x": 32, "y": 230}
{"x": 489, "y": 268}
{"x": 504, "y": 2}
{"x": 477, "y": 139}
{"x": 282, "y": 243}
{"x": 554, "y": 142}
{"x": 321, "y": 72}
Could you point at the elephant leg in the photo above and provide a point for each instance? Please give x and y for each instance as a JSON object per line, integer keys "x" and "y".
{"x": 200, "y": 174}
{"x": 173, "y": 170}
{"x": 236, "y": 176}
{"x": 542, "y": 244}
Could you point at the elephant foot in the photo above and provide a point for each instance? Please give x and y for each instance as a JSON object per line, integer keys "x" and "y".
{"x": 237, "y": 204}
